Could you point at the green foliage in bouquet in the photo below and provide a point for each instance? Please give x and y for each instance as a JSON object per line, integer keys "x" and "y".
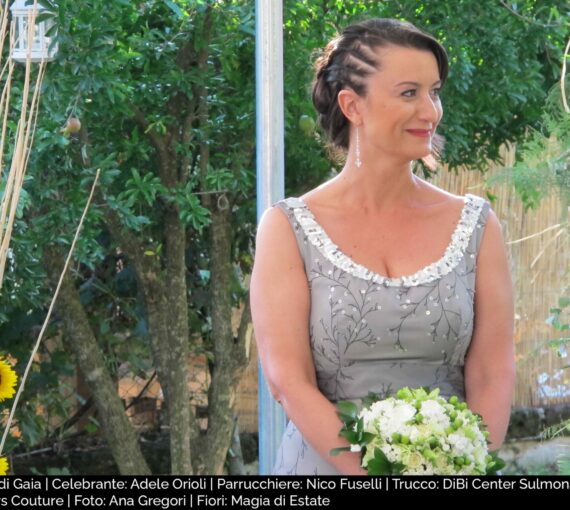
{"x": 353, "y": 431}
{"x": 418, "y": 432}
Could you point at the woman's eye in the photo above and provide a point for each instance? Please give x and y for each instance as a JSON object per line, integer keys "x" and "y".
{"x": 412, "y": 92}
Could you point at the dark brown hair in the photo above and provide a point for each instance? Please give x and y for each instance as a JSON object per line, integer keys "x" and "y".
{"x": 349, "y": 59}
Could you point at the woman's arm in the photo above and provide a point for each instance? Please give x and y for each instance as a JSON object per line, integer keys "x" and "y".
{"x": 490, "y": 361}
{"x": 280, "y": 307}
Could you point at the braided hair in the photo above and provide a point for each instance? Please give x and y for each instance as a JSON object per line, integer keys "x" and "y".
{"x": 350, "y": 58}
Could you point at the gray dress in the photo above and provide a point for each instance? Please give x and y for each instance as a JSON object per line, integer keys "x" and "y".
{"x": 372, "y": 333}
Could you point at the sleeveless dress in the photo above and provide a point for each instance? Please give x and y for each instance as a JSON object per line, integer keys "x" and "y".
{"x": 373, "y": 333}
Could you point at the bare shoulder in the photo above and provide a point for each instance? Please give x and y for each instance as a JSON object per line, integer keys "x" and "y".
{"x": 272, "y": 218}
{"x": 434, "y": 195}
{"x": 273, "y": 222}
{"x": 275, "y": 239}
{"x": 493, "y": 243}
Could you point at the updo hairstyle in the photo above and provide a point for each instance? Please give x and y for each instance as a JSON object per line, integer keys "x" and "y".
{"x": 349, "y": 59}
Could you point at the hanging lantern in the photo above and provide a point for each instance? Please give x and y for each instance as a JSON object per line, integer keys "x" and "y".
{"x": 22, "y": 13}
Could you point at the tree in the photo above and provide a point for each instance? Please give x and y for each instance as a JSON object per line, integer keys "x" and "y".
{"x": 169, "y": 149}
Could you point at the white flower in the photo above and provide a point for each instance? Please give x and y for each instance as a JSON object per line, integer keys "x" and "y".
{"x": 403, "y": 413}
{"x": 382, "y": 407}
{"x": 393, "y": 454}
{"x": 461, "y": 444}
{"x": 355, "y": 448}
{"x": 435, "y": 414}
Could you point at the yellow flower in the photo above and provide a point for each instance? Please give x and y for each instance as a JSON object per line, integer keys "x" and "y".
{"x": 8, "y": 380}
{"x": 413, "y": 460}
{"x": 3, "y": 466}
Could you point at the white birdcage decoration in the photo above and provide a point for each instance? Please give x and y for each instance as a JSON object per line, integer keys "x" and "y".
{"x": 41, "y": 48}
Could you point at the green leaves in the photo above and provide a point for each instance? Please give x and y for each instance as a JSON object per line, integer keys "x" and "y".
{"x": 192, "y": 213}
{"x": 347, "y": 410}
{"x": 380, "y": 465}
{"x": 176, "y": 9}
{"x": 219, "y": 179}
{"x": 496, "y": 464}
{"x": 353, "y": 426}
{"x": 370, "y": 399}
{"x": 129, "y": 218}
{"x": 542, "y": 160}
{"x": 143, "y": 188}
{"x": 560, "y": 321}
{"x": 47, "y": 4}
{"x": 559, "y": 318}
{"x": 336, "y": 451}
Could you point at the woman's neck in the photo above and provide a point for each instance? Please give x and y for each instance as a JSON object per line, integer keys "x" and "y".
{"x": 375, "y": 190}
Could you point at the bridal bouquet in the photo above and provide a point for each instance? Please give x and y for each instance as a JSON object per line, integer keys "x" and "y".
{"x": 417, "y": 433}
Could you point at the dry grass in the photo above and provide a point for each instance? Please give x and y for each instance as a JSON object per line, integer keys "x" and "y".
{"x": 23, "y": 139}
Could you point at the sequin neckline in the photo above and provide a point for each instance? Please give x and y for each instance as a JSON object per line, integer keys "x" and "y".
{"x": 449, "y": 261}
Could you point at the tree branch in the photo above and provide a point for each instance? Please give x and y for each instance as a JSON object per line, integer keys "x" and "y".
{"x": 185, "y": 58}
{"x": 531, "y": 21}
{"x": 81, "y": 340}
{"x": 185, "y": 139}
{"x": 70, "y": 422}
{"x": 201, "y": 93}
{"x": 245, "y": 334}
{"x": 158, "y": 141}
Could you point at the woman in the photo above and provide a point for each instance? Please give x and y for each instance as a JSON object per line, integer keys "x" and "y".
{"x": 377, "y": 279}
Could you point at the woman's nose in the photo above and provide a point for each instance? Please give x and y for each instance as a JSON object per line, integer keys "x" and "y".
{"x": 429, "y": 108}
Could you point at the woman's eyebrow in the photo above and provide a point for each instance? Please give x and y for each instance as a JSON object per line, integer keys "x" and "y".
{"x": 414, "y": 83}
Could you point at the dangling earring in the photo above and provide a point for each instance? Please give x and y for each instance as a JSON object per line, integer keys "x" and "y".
{"x": 358, "y": 160}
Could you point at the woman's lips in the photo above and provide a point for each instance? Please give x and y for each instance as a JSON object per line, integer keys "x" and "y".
{"x": 424, "y": 133}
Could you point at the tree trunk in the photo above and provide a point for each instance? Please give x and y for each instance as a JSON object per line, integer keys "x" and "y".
{"x": 180, "y": 415}
{"x": 119, "y": 433}
{"x": 236, "y": 466}
{"x": 229, "y": 354}
{"x": 150, "y": 283}
{"x": 165, "y": 296}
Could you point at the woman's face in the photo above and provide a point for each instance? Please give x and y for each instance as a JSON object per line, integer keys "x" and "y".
{"x": 401, "y": 109}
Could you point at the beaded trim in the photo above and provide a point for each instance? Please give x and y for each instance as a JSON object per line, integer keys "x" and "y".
{"x": 451, "y": 258}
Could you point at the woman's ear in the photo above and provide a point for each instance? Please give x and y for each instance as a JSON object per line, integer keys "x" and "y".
{"x": 349, "y": 103}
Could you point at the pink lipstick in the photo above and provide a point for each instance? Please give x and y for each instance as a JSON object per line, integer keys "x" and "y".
{"x": 424, "y": 133}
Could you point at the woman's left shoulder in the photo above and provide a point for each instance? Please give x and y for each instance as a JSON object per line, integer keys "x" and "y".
{"x": 438, "y": 196}
{"x": 470, "y": 207}
{"x": 455, "y": 201}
